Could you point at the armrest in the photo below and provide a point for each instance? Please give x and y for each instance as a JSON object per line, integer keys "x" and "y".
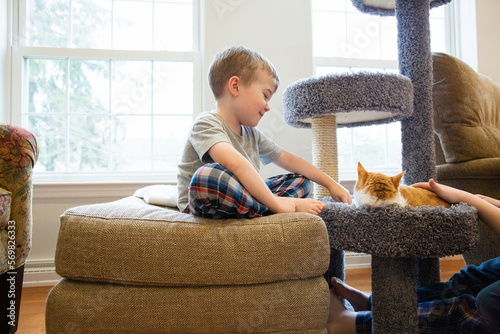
{"x": 18, "y": 155}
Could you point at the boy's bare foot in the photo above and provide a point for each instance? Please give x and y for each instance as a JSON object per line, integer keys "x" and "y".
{"x": 309, "y": 205}
{"x": 340, "y": 319}
{"x": 292, "y": 204}
{"x": 357, "y": 298}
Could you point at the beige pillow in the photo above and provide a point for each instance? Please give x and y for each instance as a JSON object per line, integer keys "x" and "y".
{"x": 466, "y": 111}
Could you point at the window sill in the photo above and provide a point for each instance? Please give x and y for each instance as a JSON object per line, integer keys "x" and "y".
{"x": 86, "y": 190}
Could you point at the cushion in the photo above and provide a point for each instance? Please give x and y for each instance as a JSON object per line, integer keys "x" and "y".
{"x": 159, "y": 194}
{"x": 480, "y": 176}
{"x": 131, "y": 242}
{"x": 298, "y": 306}
{"x": 466, "y": 111}
{"x": 478, "y": 169}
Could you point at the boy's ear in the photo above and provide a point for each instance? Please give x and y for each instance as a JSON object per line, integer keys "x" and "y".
{"x": 233, "y": 85}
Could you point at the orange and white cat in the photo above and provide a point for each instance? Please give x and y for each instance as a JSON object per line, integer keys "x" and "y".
{"x": 375, "y": 189}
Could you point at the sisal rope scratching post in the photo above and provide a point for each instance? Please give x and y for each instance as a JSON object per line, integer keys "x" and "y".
{"x": 324, "y": 150}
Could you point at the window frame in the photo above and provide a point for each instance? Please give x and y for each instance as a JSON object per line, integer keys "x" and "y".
{"x": 18, "y": 77}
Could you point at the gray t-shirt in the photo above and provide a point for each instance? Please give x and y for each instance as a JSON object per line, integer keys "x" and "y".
{"x": 209, "y": 129}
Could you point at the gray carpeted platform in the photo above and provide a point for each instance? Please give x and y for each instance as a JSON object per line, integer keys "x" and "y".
{"x": 390, "y": 95}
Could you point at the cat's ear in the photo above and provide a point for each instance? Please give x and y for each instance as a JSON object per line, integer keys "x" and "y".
{"x": 396, "y": 179}
{"x": 361, "y": 171}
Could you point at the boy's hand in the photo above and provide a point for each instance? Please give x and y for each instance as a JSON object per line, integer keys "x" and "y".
{"x": 449, "y": 194}
{"x": 296, "y": 164}
{"x": 339, "y": 193}
{"x": 488, "y": 212}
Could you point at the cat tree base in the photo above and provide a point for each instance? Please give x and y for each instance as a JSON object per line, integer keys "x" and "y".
{"x": 405, "y": 244}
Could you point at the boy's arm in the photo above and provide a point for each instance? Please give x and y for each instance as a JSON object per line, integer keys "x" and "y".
{"x": 296, "y": 164}
{"x": 488, "y": 213}
{"x": 226, "y": 155}
{"x": 493, "y": 201}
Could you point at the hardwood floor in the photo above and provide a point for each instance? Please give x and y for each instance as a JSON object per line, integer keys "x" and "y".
{"x": 32, "y": 317}
{"x": 360, "y": 278}
{"x": 32, "y": 314}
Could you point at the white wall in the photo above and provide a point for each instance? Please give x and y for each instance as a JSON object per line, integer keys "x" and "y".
{"x": 50, "y": 202}
{"x": 488, "y": 41}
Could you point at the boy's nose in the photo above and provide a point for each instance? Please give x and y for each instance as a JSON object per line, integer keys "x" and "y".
{"x": 267, "y": 108}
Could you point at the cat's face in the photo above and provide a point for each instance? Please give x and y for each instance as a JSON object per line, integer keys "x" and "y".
{"x": 375, "y": 189}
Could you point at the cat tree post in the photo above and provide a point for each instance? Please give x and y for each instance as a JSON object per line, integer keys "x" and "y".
{"x": 417, "y": 132}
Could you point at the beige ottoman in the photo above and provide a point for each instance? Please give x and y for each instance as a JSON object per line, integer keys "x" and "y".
{"x": 130, "y": 267}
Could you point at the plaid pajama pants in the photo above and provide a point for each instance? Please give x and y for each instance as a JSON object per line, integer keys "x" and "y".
{"x": 452, "y": 306}
{"x": 215, "y": 193}
{"x": 448, "y": 316}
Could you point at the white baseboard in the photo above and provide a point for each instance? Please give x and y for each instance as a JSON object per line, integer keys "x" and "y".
{"x": 40, "y": 273}
{"x": 357, "y": 260}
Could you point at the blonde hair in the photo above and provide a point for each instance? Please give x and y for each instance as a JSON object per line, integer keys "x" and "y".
{"x": 237, "y": 61}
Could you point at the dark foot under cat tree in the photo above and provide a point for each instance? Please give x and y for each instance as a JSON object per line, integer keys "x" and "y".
{"x": 405, "y": 243}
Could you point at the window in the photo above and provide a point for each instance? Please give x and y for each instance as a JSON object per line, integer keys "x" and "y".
{"x": 107, "y": 86}
{"x": 344, "y": 40}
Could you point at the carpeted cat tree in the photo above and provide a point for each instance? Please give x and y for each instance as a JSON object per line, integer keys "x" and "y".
{"x": 405, "y": 243}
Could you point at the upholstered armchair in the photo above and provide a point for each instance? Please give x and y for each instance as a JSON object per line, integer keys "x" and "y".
{"x": 18, "y": 155}
{"x": 467, "y": 126}
{"x": 132, "y": 267}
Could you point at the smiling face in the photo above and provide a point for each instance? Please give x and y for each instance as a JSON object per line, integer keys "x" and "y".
{"x": 255, "y": 97}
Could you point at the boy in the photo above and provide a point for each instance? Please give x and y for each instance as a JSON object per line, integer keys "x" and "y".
{"x": 219, "y": 171}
